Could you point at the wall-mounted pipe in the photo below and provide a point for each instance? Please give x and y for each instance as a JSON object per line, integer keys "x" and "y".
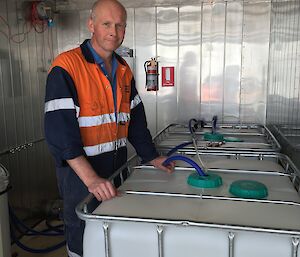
{"x": 21, "y": 147}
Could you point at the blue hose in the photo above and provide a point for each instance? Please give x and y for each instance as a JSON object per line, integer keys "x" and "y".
{"x": 185, "y": 159}
{"x": 214, "y": 124}
{"x": 41, "y": 250}
{"x": 197, "y": 124}
{"x": 192, "y": 129}
{"x": 56, "y": 228}
{"x": 174, "y": 149}
{"x": 30, "y": 232}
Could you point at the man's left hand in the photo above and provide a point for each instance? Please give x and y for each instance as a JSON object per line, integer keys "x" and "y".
{"x": 158, "y": 163}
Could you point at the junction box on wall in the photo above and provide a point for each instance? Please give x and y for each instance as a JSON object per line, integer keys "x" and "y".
{"x": 38, "y": 12}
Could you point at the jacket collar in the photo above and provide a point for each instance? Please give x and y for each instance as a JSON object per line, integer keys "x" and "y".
{"x": 89, "y": 56}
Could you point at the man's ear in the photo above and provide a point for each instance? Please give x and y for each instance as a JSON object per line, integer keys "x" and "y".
{"x": 90, "y": 25}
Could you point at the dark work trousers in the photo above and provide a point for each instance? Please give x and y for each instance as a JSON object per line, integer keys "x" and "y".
{"x": 72, "y": 191}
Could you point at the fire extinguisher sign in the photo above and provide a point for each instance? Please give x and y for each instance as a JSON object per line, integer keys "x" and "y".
{"x": 167, "y": 76}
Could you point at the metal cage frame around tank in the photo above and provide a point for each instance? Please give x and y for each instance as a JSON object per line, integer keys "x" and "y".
{"x": 85, "y": 208}
{"x": 283, "y": 160}
{"x": 248, "y": 130}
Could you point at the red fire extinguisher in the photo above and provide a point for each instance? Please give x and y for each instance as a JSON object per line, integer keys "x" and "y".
{"x": 151, "y": 70}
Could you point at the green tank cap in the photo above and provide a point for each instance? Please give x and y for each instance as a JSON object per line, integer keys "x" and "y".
{"x": 233, "y": 139}
{"x": 209, "y": 181}
{"x": 217, "y": 137}
{"x": 248, "y": 189}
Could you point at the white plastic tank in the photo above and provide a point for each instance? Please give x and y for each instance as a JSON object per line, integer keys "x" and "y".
{"x": 161, "y": 215}
{"x": 5, "y": 250}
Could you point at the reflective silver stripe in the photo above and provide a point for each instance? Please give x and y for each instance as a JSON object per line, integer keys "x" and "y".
{"x": 96, "y": 120}
{"x": 72, "y": 254}
{"x": 61, "y": 104}
{"x": 102, "y": 119}
{"x": 103, "y": 148}
{"x": 123, "y": 116}
{"x": 136, "y": 100}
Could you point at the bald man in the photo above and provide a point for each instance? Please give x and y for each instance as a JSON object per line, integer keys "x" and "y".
{"x": 91, "y": 108}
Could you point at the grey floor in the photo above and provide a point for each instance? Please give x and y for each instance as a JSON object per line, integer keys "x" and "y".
{"x": 39, "y": 242}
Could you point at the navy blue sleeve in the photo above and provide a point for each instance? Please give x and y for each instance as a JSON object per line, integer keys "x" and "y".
{"x": 61, "y": 126}
{"x": 138, "y": 133}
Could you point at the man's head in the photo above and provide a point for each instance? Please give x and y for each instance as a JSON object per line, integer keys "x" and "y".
{"x": 107, "y": 24}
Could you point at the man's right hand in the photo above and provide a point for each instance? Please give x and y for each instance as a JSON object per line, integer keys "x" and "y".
{"x": 102, "y": 189}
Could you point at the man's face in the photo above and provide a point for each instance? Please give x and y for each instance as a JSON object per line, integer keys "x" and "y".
{"x": 108, "y": 28}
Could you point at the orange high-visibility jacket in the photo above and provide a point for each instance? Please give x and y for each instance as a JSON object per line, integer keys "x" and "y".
{"x": 80, "y": 117}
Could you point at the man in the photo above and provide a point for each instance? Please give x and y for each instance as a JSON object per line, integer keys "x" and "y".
{"x": 91, "y": 108}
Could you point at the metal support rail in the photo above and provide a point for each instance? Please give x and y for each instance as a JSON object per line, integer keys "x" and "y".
{"x": 231, "y": 236}
{"x": 279, "y": 158}
{"x": 259, "y": 129}
{"x": 90, "y": 201}
{"x": 295, "y": 245}
{"x": 106, "y": 239}
{"x": 289, "y": 168}
{"x": 107, "y": 218}
{"x": 284, "y": 135}
{"x": 210, "y": 197}
{"x": 271, "y": 140}
{"x": 160, "y": 230}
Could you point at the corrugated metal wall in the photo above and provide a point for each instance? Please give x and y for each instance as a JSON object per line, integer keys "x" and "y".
{"x": 219, "y": 51}
{"x": 25, "y": 56}
{"x": 283, "y": 108}
{"x": 284, "y": 76}
{"x": 220, "y": 54}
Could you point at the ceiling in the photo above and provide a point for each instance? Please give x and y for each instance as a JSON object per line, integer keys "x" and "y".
{"x": 86, "y": 4}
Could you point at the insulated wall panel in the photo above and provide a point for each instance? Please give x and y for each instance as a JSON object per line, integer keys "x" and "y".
{"x": 145, "y": 43}
{"x": 167, "y": 50}
{"x": 213, "y": 35}
{"x": 284, "y": 68}
{"x": 232, "y": 62}
{"x": 255, "y": 52}
{"x": 26, "y": 52}
{"x": 189, "y": 72}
